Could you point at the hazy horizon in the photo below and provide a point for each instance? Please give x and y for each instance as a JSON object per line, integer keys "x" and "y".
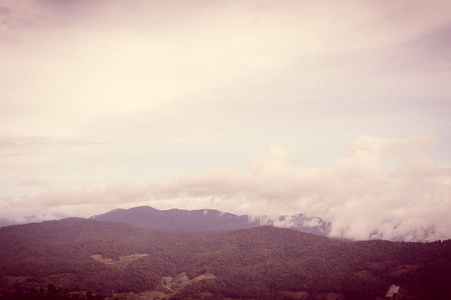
{"x": 338, "y": 110}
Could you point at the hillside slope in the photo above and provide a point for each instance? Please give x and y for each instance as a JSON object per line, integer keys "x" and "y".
{"x": 258, "y": 263}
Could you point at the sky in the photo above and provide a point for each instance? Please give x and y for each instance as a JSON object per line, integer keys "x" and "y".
{"x": 335, "y": 109}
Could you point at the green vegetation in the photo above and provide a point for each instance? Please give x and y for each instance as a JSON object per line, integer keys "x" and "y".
{"x": 112, "y": 259}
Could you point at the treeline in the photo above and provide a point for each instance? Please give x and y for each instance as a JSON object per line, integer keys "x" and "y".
{"x": 50, "y": 293}
{"x": 257, "y": 263}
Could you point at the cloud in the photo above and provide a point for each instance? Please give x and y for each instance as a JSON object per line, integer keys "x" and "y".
{"x": 13, "y": 146}
{"x": 361, "y": 195}
{"x": 386, "y": 147}
{"x": 175, "y": 88}
{"x": 33, "y": 182}
{"x": 275, "y": 163}
{"x": 77, "y": 63}
{"x": 60, "y": 201}
{"x": 122, "y": 192}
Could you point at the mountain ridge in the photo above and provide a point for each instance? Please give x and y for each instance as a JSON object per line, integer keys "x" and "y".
{"x": 209, "y": 220}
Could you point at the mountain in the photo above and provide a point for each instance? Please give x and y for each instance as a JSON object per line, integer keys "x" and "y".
{"x": 76, "y": 258}
{"x": 208, "y": 220}
{"x": 176, "y": 219}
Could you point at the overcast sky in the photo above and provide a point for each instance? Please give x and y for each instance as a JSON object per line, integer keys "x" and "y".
{"x": 336, "y": 109}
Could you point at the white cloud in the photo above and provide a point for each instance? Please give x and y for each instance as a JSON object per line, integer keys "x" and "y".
{"x": 361, "y": 196}
{"x": 174, "y": 90}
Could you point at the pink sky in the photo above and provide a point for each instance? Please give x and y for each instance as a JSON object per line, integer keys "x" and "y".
{"x": 339, "y": 110}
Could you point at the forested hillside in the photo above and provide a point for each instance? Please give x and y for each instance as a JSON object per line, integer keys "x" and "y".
{"x": 110, "y": 259}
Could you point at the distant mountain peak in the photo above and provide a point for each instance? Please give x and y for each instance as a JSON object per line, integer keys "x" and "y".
{"x": 204, "y": 220}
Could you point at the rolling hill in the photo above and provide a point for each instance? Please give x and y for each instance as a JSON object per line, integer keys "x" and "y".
{"x": 119, "y": 260}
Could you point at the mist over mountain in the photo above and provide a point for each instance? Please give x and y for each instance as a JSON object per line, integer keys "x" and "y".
{"x": 6, "y": 222}
{"x": 25, "y": 220}
{"x": 209, "y": 220}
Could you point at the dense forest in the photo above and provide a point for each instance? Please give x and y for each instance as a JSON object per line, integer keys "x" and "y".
{"x": 90, "y": 259}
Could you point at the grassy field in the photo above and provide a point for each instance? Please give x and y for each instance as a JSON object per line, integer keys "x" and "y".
{"x": 123, "y": 261}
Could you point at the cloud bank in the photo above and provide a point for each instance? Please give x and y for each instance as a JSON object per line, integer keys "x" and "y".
{"x": 380, "y": 188}
{"x": 114, "y": 103}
